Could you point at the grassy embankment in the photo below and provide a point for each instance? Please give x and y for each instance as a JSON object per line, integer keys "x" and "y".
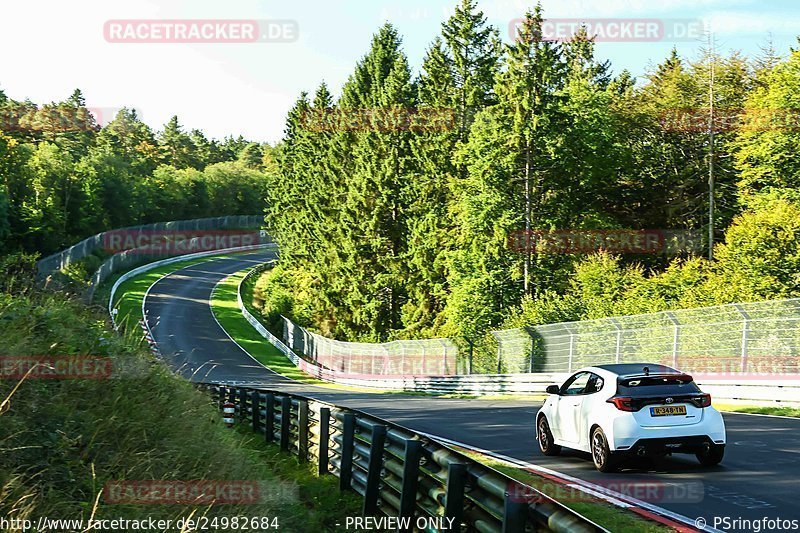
{"x": 63, "y": 440}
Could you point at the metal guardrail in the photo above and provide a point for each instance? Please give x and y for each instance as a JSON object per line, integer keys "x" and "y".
{"x": 63, "y": 259}
{"x": 422, "y": 356}
{"x": 397, "y": 472}
{"x": 128, "y": 259}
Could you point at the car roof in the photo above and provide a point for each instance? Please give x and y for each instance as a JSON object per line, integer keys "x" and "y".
{"x": 637, "y": 369}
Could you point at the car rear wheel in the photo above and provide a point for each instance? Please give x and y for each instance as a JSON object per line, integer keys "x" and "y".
{"x": 546, "y": 442}
{"x": 712, "y": 456}
{"x": 603, "y": 459}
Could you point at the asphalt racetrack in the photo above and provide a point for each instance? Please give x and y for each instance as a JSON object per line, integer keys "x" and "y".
{"x": 759, "y": 477}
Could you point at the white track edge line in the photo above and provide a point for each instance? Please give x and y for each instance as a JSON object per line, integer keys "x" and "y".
{"x": 211, "y": 307}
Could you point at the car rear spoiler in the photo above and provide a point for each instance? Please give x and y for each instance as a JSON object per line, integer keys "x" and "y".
{"x": 673, "y": 375}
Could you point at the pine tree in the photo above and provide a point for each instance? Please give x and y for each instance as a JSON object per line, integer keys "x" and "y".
{"x": 474, "y": 50}
{"x": 378, "y": 172}
{"x": 528, "y": 97}
{"x": 176, "y": 147}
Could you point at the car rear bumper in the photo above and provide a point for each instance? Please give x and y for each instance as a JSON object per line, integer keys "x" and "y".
{"x": 690, "y": 444}
{"x": 627, "y": 434}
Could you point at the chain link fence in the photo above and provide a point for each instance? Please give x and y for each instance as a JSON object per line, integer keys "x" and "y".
{"x": 758, "y": 338}
{"x": 201, "y": 235}
{"x": 98, "y": 242}
{"x": 414, "y": 357}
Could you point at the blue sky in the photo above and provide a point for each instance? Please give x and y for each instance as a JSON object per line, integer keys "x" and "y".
{"x": 51, "y": 47}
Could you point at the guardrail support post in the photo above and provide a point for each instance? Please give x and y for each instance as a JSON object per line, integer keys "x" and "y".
{"x": 302, "y": 430}
{"x": 255, "y": 401}
{"x": 286, "y": 419}
{"x": 408, "y": 492}
{"x": 374, "y": 470}
{"x": 514, "y": 514}
{"x": 454, "y": 494}
{"x": 324, "y": 439}
{"x": 346, "y": 464}
{"x": 269, "y": 419}
{"x": 219, "y": 394}
{"x": 242, "y": 393}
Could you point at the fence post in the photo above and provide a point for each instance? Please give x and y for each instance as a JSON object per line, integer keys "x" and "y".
{"x": 269, "y": 419}
{"x": 374, "y": 470}
{"x": 471, "y": 348}
{"x": 346, "y": 464}
{"x": 745, "y": 334}
{"x": 499, "y": 359}
{"x": 533, "y": 335}
{"x": 454, "y": 494}
{"x": 408, "y": 492}
{"x": 255, "y": 400}
{"x": 675, "y": 337}
{"x": 302, "y": 430}
{"x": 618, "y": 347}
{"x": 324, "y": 439}
{"x": 286, "y": 419}
{"x": 514, "y": 514}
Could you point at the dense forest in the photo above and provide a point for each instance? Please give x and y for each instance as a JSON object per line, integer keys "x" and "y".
{"x": 396, "y": 201}
{"x": 391, "y": 227}
{"x": 63, "y": 177}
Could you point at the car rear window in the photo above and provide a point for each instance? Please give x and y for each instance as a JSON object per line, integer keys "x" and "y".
{"x": 657, "y": 385}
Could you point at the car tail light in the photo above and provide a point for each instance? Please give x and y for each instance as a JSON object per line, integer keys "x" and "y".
{"x": 623, "y": 403}
{"x": 704, "y": 400}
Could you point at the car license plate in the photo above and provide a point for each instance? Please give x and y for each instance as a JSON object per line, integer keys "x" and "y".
{"x": 668, "y": 410}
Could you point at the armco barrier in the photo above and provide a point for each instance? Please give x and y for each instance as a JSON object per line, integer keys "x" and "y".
{"x": 63, "y": 259}
{"x": 726, "y": 388}
{"x": 397, "y": 472}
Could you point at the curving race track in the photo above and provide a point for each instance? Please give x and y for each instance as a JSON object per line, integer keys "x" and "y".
{"x": 757, "y": 479}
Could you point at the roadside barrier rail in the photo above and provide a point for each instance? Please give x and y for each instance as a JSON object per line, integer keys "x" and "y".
{"x": 396, "y": 471}
{"x": 64, "y": 258}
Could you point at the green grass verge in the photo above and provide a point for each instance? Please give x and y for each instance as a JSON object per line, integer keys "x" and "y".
{"x": 601, "y": 512}
{"x": 224, "y": 303}
{"x": 760, "y": 410}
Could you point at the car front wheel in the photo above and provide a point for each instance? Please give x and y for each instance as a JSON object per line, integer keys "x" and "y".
{"x": 603, "y": 459}
{"x": 712, "y": 456}
{"x": 546, "y": 442}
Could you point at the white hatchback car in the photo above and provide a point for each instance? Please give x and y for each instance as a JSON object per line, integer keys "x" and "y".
{"x": 621, "y": 410}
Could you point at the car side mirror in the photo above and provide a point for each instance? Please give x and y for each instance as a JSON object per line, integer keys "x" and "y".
{"x": 552, "y": 389}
